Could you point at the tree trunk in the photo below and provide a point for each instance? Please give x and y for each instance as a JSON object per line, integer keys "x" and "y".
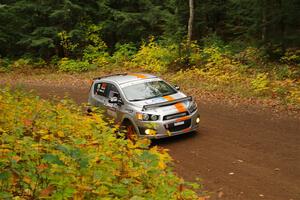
{"x": 190, "y": 25}
{"x": 264, "y": 22}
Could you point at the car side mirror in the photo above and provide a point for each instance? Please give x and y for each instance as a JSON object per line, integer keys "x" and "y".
{"x": 115, "y": 100}
{"x": 177, "y": 87}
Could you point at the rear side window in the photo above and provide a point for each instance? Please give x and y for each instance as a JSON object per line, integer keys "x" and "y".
{"x": 101, "y": 89}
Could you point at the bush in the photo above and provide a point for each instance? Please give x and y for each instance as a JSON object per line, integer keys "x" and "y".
{"x": 283, "y": 72}
{"x": 124, "y": 52}
{"x": 5, "y": 65}
{"x": 154, "y": 57}
{"x": 53, "y": 151}
{"x": 26, "y": 63}
{"x": 69, "y": 65}
{"x": 252, "y": 57}
{"x": 97, "y": 58}
{"x": 21, "y": 63}
{"x": 291, "y": 56}
{"x": 260, "y": 84}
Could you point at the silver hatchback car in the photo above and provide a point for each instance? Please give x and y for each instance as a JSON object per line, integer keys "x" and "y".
{"x": 146, "y": 105}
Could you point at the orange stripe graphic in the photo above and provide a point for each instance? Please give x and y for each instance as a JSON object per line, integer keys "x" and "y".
{"x": 186, "y": 130}
{"x": 179, "y": 106}
{"x": 138, "y": 75}
{"x": 182, "y": 119}
{"x": 168, "y": 98}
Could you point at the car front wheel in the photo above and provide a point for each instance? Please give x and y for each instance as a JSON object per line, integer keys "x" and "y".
{"x": 131, "y": 133}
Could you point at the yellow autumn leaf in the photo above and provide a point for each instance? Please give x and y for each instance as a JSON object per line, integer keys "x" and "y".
{"x": 27, "y": 180}
{"x": 42, "y": 132}
{"x": 60, "y": 134}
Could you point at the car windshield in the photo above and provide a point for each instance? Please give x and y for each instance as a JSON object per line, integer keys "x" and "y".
{"x": 148, "y": 90}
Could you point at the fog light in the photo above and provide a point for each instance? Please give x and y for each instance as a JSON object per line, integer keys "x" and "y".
{"x": 198, "y": 120}
{"x": 150, "y": 132}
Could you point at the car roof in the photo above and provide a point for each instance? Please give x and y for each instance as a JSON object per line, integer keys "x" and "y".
{"x": 126, "y": 77}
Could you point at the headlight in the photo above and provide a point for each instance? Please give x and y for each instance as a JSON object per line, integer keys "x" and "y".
{"x": 193, "y": 107}
{"x": 154, "y": 117}
{"x": 147, "y": 117}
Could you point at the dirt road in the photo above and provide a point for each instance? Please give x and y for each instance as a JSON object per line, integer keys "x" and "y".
{"x": 240, "y": 153}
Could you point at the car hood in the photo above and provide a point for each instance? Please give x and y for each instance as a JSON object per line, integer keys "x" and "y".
{"x": 167, "y": 109}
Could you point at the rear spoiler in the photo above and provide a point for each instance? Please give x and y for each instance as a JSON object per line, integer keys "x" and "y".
{"x": 145, "y": 107}
{"x": 100, "y": 77}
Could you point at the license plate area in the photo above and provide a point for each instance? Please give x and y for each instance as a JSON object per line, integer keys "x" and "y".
{"x": 178, "y": 126}
{"x": 178, "y": 123}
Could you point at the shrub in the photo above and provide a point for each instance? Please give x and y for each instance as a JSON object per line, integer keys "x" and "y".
{"x": 69, "y": 47}
{"x": 212, "y": 55}
{"x": 27, "y": 62}
{"x": 5, "y": 65}
{"x": 96, "y": 52}
{"x": 260, "y": 84}
{"x": 291, "y": 56}
{"x": 154, "y": 57}
{"x": 251, "y": 56}
{"x": 294, "y": 96}
{"x": 93, "y": 56}
{"x": 53, "y": 151}
{"x": 283, "y": 72}
{"x": 21, "y": 63}
{"x": 124, "y": 52}
{"x": 69, "y": 65}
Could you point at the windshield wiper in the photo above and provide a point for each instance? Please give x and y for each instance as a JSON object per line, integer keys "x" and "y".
{"x": 167, "y": 94}
{"x": 136, "y": 99}
{"x": 145, "y": 98}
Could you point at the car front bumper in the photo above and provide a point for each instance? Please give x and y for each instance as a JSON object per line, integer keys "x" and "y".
{"x": 168, "y": 128}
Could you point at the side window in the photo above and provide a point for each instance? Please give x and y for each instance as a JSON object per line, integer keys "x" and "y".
{"x": 113, "y": 91}
{"x": 101, "y": 89}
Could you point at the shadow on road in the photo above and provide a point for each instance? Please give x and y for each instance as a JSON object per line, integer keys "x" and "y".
{"x": 176, "y": 139}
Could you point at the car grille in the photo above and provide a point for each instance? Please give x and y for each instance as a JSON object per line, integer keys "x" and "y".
{"x": 172, "y": 128}
{"x": 176, "y": 115}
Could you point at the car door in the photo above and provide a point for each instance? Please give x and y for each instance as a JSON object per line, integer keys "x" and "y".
{"x": 100, "y": 91}
{"x": 113, "y": 109}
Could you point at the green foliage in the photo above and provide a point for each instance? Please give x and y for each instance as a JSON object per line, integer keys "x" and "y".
{"x": 283, "y": 72}
{"x": 53, "y": 151}
{"x": 245, "y": 74}
{"x": 251, "y": 56}
{"x": 96, "y": 50}
{"x": 260, "y": 84}
{"x": 91, "y": 55}
{"x": 124, "y": 52}
{"x": 66, "y": 43}
{"x": 36, "y": 26}
{"x": 154, "y": 57}
{"x": 5, "y": 65}
{"x": 69, "y": 65}
{"x": 291, "y": 56}
{"x": 21, "y": 63}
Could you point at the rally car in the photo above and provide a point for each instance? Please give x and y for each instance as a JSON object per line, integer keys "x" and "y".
{"x": 146, "y": 105}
